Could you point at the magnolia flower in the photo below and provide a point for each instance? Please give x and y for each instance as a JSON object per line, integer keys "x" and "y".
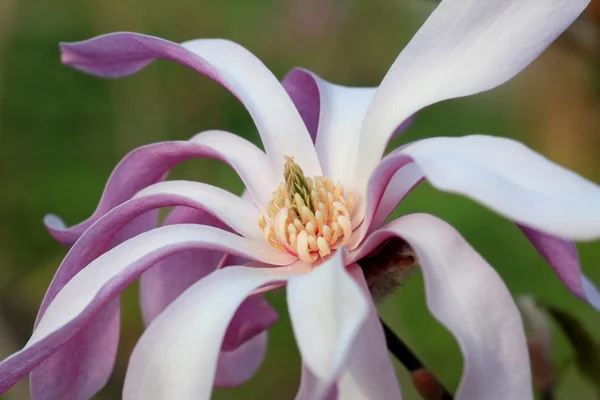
{"x": 315, "y": 204}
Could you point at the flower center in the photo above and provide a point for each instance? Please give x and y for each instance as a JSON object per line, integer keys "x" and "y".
{"x": 307, "y": 217}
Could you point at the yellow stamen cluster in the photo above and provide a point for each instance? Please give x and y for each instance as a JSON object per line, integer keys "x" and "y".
{"x": 307, "y": 217}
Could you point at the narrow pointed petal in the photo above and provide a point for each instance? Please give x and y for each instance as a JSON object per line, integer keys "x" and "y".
{"x": 245, "y": 76}
{"x": 150, "y": 164}
{"x": 176, "y": 357}
{"x": 503, "y": 175}
{"x": 468, "y": 297}
{"x": 368, "y": 374}
{"x": 465, "y": 47}
{"x": 88, "y": 292}
{"x": 327, "y": 309}
{"x": 562, "y": 256}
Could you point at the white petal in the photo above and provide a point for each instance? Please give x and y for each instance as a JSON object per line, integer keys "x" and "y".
{"x": 512, "y": 180}
{"x": 469, "y": 298}
{"x": 342, "y": 110}
{"x": 465, "y": 47}
{"x": 591, "y": 292}
{"x": 177, "y": 355}
{"x": 282, "y": 130}
{"x": 236, "y": 213}
{"x": 327, "y": 309}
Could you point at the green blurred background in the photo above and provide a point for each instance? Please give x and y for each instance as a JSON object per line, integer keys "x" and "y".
{"x": 62, "y": 132}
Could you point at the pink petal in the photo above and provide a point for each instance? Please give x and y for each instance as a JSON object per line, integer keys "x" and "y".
{"x": 562, "y": 256}
{"x": 327, "y": 309}
{"x": 468, "y": 297}
{"x": 82, "y": 367}
{"x": 239, "y": 365}
{"x": 176, "y": 357}
{"x": 229, "y": 64}
{"x": 465, "y": 47}
{"x": 88, "y": 292}
{"x": 149, "y": 164}
{"x": 304, "y": 92}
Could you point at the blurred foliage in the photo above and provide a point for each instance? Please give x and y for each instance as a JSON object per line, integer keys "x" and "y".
{"x": 62, "y": 132}
{"x": 586, "y": 350}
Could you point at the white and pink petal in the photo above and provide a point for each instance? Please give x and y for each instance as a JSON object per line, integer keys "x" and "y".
{"x": 226, "y": 62}
{"x": 176, "y": 357}
{"x": 150, "y": 164}
{"x": 465, "y": 47}
{"x": 469, "y": 298}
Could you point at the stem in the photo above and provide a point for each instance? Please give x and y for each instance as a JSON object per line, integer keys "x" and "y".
{"x": 547, "y": 394}
{"x": 407, "y": 358}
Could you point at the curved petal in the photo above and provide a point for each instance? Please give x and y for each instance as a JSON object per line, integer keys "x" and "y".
{"x": 369, "y": 374}
{"x": 309, "y": 384}
{"x": 171, "y": 276}
{"x": 563, "y": 258}
{"x": 176, "y": 357}
{"x": 465, "y": 47}
{"x": 400, "y": 185}
{"x": 468, "y": 297}
{"x": 327, "y": 309}
{"x": 239, "y": 215}
{"x": 239, "y": 365}
{"x": 103, "y": 279}
{"x": 165, "y": 281}
{"x": 149, "y": 164}
{"x": 503, "y": 175}
{"x": 279, "y": 124}
{"x": 83, "y": 366}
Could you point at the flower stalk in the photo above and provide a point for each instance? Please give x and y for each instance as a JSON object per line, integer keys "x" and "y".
{"x": 428, "y": 386}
